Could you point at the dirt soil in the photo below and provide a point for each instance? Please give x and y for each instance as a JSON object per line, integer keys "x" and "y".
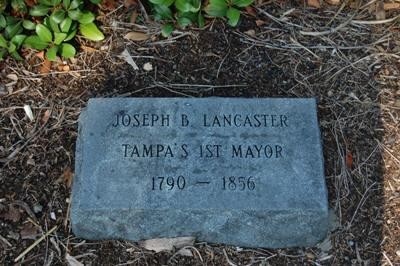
{"x": 345, "y": 57}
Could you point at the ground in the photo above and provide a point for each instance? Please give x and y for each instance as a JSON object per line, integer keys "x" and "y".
{"x": 342, "y": 55}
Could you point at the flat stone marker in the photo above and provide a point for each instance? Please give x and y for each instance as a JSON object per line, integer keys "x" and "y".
{"x": 244, "y": 172}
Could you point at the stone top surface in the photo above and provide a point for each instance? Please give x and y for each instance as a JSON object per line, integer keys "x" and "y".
{"x": 199, "y": 154}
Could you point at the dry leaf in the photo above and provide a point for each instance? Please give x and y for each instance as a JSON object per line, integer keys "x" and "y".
{"x": 67, "y": 177}
{"x": 12, "y": 214}
{"x": 349, "y": 160}
{"x": 128, "y": 58}
{"x": 313, "y": 3}
{"x": 88, "y": 49}
{"x": 134, "y": 16}
{"x": 13, "y": 77}
{"x": 167, "y": 244}
{"x": 108, "y": 4}
{"x": 136, "y": 36}
{"x": 45, "y": 67}
{"x": 251, "y": 11}
{"x": 28, "y": 112}
{"x": 148, "y": 66}
{"x": 333, "y": 2}
{"x": 40, "y": 55}
{"x": 130, "y": 3}
{"x": 186, "y": 252}
{"x": 251, "y": 33}
{"x": 260, "y": 22}
{"x": 46, "y": 116}
{"x": 391, "y": 6}
{"x": 30, "y": 3}
{"x": 72, "y": 261}
{"x": 30, "y": 231}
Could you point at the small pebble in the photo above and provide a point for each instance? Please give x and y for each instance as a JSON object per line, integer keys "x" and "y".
{"x": 398, "y": 253}
{"x": 148, "y": 67}
{"x": 37, "y": 208}
{"x": 53, "y": 216}
{"x": 13, "y": 77}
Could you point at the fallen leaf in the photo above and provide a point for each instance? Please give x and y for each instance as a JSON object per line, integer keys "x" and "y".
{"x": 130, "y": 3}
{"x": 13, "y": 77}
{"x": 12, "y": 214}
{"x": 251, "y": 33}
{"x": 148, "y": 66}
{"x": 349, "y": 160}
{"x": 28, "y": 112}
{"x": 166, "y": 244}
{"x": 313, "y": 3}
{"x": 134, "y": 16}
{"x": 260, "y": 22}
{"x": 136, "y": 36}
{"x": 30, "y": 231}
{"x": 40, "y": 55}
{"x": 185, "y": 252}
{"x": 46, "y": 116}
{"x": 251, "y": 11}
{"x": 108, "y": 4}
{"x": 333, "y": 2}
{"x": 391, "y": 6}
{"x": 30, "y": 3}
{"x": 45, "y": 67}
{"x": 88, "y": 49}
{"x": 72, "y": 261}
{"x": 128, "y": 58}
{"x": 67, "y": 177}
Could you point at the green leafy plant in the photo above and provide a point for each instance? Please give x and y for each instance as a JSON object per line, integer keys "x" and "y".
{"x": 50, "y": 25}
{"x": 188, "y": 12}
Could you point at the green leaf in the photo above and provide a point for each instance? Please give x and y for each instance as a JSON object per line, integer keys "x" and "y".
{"x": 162, "y": 2}
{"x": 39, "y": 11}
{"x": 75, "y": 14}
{"x": 16, "y": 56}
{"x": 188, "y": 5}
{"x": 59, "y": 37}
{"x": 70, "y": 36}
{"x": 200, "y": 20}
{"x": 66, "y": 3}
{"x": 19, "y": 6}
{"x": 91, "y": 32}
{"x": 242, "y": 3}
{"x": 162, "y": 12}
{"x": 184, "y": 21}
{"x": 29, "y": 25}
{"x": 3, "y": 53}
{"x": 35, "y": 42}
{"x": 96, "y": 2}
{"x": 18, "y": 40}
{"x": 233, "y": 16}
{"x": 217, "y": 8}
{"x": 74, "y": 4}
{"x": 57, "y": 16}
{"x": 3, "y": 42}
{"x": 45, "y": 2}
{"x": 167, "y": 29}
{"x": 53, "y": 25}
{"x": 55, "y": 2}
{"x": 51, "y": 53}
{"x": 44, "y": 33}
{"x": 3, "y": 22}
{"x": 67, "y": 50}
{"x": 13, "y": 29}
{"x": 65, "y": 25}
{"x": 11, "y": 48}
{"x": 86, "y": 18}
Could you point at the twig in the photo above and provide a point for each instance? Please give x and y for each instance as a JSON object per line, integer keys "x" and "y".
{"x": 228, "y": 260}
{"x": 362, "y": 201}
{"x": 374, "y": 22}
{"x": 326, "y": 32}
{"x": 34, "y": 244}
{"x": 5, "y": 241}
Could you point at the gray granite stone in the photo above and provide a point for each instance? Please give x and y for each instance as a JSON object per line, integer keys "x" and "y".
{"x": 245, "y": 172}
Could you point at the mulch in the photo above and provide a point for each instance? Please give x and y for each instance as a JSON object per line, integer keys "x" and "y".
{"x": 353, "y": 71}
